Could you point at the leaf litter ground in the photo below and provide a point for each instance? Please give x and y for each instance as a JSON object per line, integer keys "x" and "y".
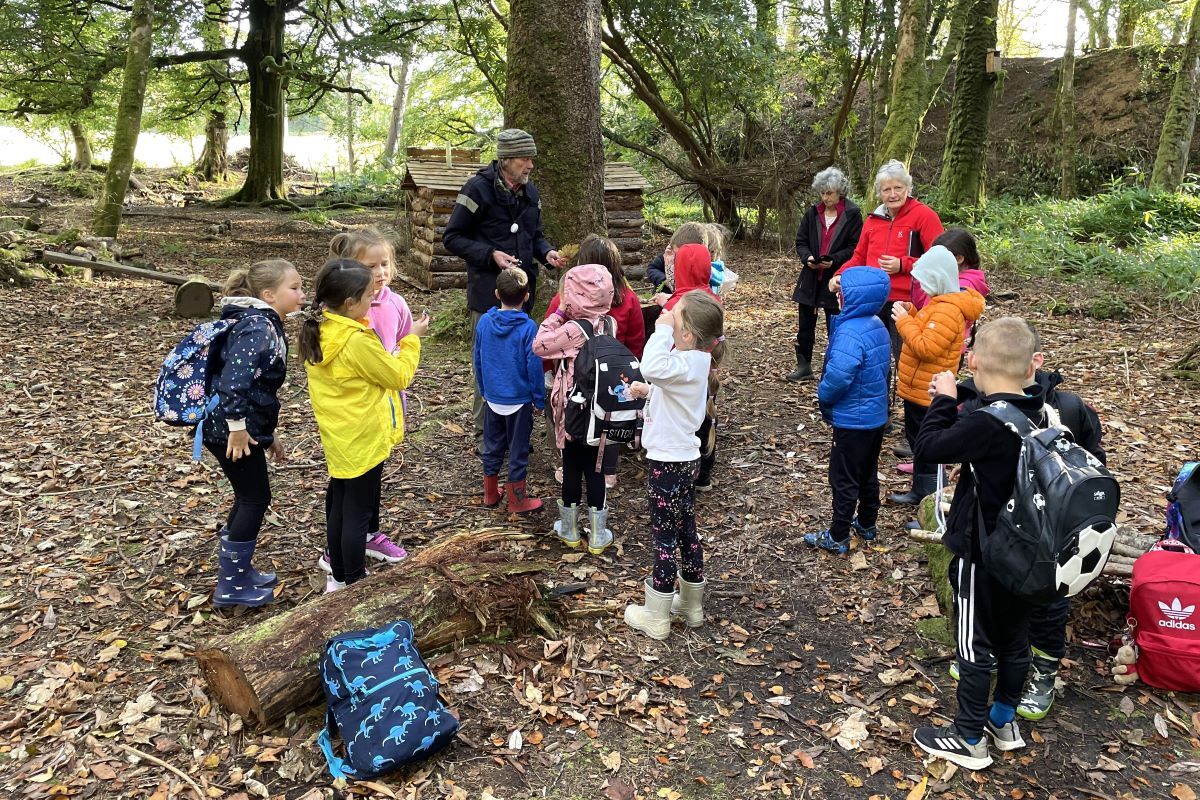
{"x": 806, "y": 680}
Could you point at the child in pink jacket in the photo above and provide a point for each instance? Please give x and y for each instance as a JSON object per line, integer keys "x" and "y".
{"x": 962, "y": 245}
{"x": 587, "y": 295}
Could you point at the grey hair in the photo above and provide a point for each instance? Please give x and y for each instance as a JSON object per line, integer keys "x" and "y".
{"x": 831, "y": 179}
{"x": 893, "y": 171}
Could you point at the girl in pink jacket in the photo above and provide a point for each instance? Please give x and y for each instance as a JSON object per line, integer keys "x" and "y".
{"x": 962, "y": 245}
{"x": 586, "y": 295}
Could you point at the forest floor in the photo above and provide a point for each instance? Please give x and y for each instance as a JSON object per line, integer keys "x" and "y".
{"x": 806, "y": 681}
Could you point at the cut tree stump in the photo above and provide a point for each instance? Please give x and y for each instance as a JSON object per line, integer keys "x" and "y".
{"x": 194, "y": 299}
{"x": 458, "y": 588}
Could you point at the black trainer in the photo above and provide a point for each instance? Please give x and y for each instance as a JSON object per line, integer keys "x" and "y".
{"x": 948, "y": 744}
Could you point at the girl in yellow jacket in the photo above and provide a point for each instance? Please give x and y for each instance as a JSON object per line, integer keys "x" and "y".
{"x": 354, "y": 385}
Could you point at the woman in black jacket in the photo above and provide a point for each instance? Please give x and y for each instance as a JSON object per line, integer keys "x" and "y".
{"x": 825, "y": 241}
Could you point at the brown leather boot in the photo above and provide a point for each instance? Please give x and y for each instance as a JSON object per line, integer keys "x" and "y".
{"x": 491, "y": 490}
{"x": 518, "y": 502}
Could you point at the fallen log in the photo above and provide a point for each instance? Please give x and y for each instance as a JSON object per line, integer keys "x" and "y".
{"x": 458, "y": 588}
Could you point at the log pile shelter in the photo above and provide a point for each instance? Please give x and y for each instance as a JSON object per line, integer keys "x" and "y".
{"x": 432, "y": 182}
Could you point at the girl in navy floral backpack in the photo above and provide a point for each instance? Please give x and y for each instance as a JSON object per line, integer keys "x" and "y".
{"x": 247, "y": 372}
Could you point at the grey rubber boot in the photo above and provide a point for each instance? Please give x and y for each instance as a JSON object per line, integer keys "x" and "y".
{"x": 567, "y": 527}
{"x": 599, "y": 536}
{"x": 653, "y": 618}
{"x": 687, "y": 603}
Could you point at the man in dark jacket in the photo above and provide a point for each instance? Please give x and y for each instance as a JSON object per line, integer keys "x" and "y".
{"x": 825, "y": 241}
{"x": 496, "y": 225}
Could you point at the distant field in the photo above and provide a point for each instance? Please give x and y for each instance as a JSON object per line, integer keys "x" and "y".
{"x": 312, "y": 151}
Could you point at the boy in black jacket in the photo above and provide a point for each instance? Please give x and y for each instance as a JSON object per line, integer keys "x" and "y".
{"x": 1048, "y": 623}
{"x": 992, "y": 624}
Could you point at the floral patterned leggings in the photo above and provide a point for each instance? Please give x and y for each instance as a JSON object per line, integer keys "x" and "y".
{"x": 672, "y": 490}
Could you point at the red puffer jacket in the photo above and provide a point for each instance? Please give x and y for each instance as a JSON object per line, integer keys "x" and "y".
{"x": 907, "y": 235}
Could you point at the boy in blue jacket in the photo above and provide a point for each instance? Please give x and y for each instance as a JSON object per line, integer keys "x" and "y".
{"x": 510, "y": 381}
{"x": 854, "y": 397}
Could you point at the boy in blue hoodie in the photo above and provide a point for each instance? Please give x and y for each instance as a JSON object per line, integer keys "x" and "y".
{"x": 510, "y": 381}
{"x": 853, "y": 394}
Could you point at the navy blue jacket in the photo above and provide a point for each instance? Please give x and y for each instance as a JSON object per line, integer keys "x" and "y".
{"x": 507, "y": 371}
{"x": 656, "y": 274}
{"x": 854, "y": 386}
{"x": 247, "y": 374}
{"x": 481, "y": 223}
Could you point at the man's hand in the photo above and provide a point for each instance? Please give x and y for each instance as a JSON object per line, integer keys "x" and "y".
{"x": 944, "y": 383}
{"x": 504, "y": 260}
{"x": 238, "y": 445}
{"x": 889, "y": 264}
{"x": 555, "y": 260}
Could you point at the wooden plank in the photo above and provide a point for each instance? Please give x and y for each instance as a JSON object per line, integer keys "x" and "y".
{"x": 449, "y": 280}
{"x": 52, "y": 257}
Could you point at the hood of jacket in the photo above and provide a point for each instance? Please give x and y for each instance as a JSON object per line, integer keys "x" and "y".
{"x": 693, "y": 268}
{"x": 1044, "y": 382}
{"x": 864, "y": 291}
{"x": 969, "y": 302}
{"x": 587, "y": 292}
{"x": 910, "y": 203}
{"x": 336, "y": 330}
{"x": 501, "y": 323}
{"x": 974, "y": 279}
{"x": 242, "y": 307}
{"x": 937, "y": 271}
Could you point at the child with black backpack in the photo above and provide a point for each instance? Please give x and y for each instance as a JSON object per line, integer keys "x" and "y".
{"x": 688, "y": 341}
{"x": 992, "y": 622}
{"x": 1048, "y": 622}
{"x": 246, "y": 371}
{"x": 587, "y": 295}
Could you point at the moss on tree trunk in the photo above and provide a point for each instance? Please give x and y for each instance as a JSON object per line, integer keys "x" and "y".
{"x": 263, "y": 56}
{"x": 965, "y": 155}
{"x": 910, "y": 79}
{"x": 107, "y": 219}
{"x": 1171, "y": 160}
{"x": 1064, "y": 111}
{"x": 83, "y": 146}
{"x": 553, "y": 91}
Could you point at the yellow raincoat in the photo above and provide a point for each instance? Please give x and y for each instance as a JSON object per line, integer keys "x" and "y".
{"x": 355, "y": 393}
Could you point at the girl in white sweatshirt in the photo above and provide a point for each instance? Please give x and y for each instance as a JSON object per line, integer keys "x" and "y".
{"x": 688, "y": 342}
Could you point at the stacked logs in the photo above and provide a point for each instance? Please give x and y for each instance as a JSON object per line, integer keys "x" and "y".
{"x": 431, "y": 265}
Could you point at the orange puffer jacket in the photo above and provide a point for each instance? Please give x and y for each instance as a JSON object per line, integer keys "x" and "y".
{"x": 933, "y": 341}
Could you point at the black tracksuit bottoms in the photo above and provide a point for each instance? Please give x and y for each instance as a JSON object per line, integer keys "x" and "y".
{"x": 854, "y": 478}
{"x": 992, "y": 630}
{"x": 251, "y": 490}
{"x": 351, "y": 505}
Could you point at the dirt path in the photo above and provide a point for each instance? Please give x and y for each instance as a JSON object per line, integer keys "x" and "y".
{"x": 110, "y": 559}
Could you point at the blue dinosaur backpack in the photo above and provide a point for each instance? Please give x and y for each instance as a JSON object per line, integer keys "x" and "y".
{"x": 181, "y": 393}
{"x": 1183, "y": 507}
{"x": 382, "y": 700}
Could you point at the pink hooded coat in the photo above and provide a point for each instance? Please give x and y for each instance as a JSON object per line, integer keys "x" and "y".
{"x": 586, "y": 295}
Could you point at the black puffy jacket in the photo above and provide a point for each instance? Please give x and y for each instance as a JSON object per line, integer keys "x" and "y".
{"x": 247, "y": 373}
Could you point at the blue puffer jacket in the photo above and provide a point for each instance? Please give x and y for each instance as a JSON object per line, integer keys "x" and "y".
{"x": 855, "y": 384}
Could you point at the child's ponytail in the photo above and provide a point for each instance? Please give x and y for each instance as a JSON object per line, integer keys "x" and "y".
{"x": 257, "y": 278}
{"x": 310, "y": 335}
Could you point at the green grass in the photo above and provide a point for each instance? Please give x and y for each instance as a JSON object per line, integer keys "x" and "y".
{"x": 1130, "y": 238}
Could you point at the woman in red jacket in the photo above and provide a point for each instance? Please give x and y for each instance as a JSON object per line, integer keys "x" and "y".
{"x": 893, "y": 237}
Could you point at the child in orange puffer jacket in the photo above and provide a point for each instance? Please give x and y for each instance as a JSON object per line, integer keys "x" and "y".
{"x": 932, "y": 343}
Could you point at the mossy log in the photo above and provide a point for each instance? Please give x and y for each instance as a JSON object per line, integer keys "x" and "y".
{"x": 458, "y": 588}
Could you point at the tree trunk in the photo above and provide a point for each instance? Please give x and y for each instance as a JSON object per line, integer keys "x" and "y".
{"x": 213, "y": 163}
{"x": 881, "y": 84}
{"x": 107, "y": 219}
{"x": 909, "y": 85}
{"x": 351, "y": 124}
{"x": 553, "y": 91}
{"x": 1171, "y": 161}
{"x": 262, "y": 55}
{"x": 1129, "y": 13}
{"x": 399, "y": 104}
{"x": 83, "y": 146}
{"x": 456, "y": 589}
{"x": 965, "y": 155}
{"x": 214, "y": 159}
{"x": 1064, "y": 111}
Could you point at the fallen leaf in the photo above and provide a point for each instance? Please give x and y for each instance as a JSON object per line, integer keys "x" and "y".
{"x": 514, "y": 740}
{"x": 612, "y": 760}
{"x": 853, "y": 781}
{"x": 618, "y": 790}
{"x": 895, "y": 677}
{"x": 852, "y": 730}
{"x": 680, "y": 682}
{"x": 918, "y": 791}
{"x": 858, "y": 562}
{"x": 1183, "y": 792}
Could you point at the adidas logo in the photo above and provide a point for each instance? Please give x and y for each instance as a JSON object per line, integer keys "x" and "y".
{"x": 1176, "y": 614}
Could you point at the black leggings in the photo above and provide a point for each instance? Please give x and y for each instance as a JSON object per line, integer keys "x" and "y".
{"x": 350, "y": 504}
{"x": 251, "y": 491}
{"x": 672, "y": 490}
{"x": 579, "y": 467}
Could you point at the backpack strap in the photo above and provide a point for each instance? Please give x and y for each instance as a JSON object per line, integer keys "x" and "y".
{"x": 198, "y": 436}
{"x": 1012, "y": 417}
{"x": 338, "y": 768}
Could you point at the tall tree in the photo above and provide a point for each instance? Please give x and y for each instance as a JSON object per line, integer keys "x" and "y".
{"x": 213, "y": 163}
{"x": 553, "y": 91}
{"x": 1064, "y": 111}
{"x": 1129, "y": 13}
{"x": 107, "y": 219}
{"x": 399, "y": 106}
{"x": 965, "y": 155}
{"x": 1170, "y": 163}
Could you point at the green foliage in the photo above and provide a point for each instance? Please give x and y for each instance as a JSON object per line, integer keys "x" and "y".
{"x": 373, "y": 183}
{"x": 1129, "y": 237}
